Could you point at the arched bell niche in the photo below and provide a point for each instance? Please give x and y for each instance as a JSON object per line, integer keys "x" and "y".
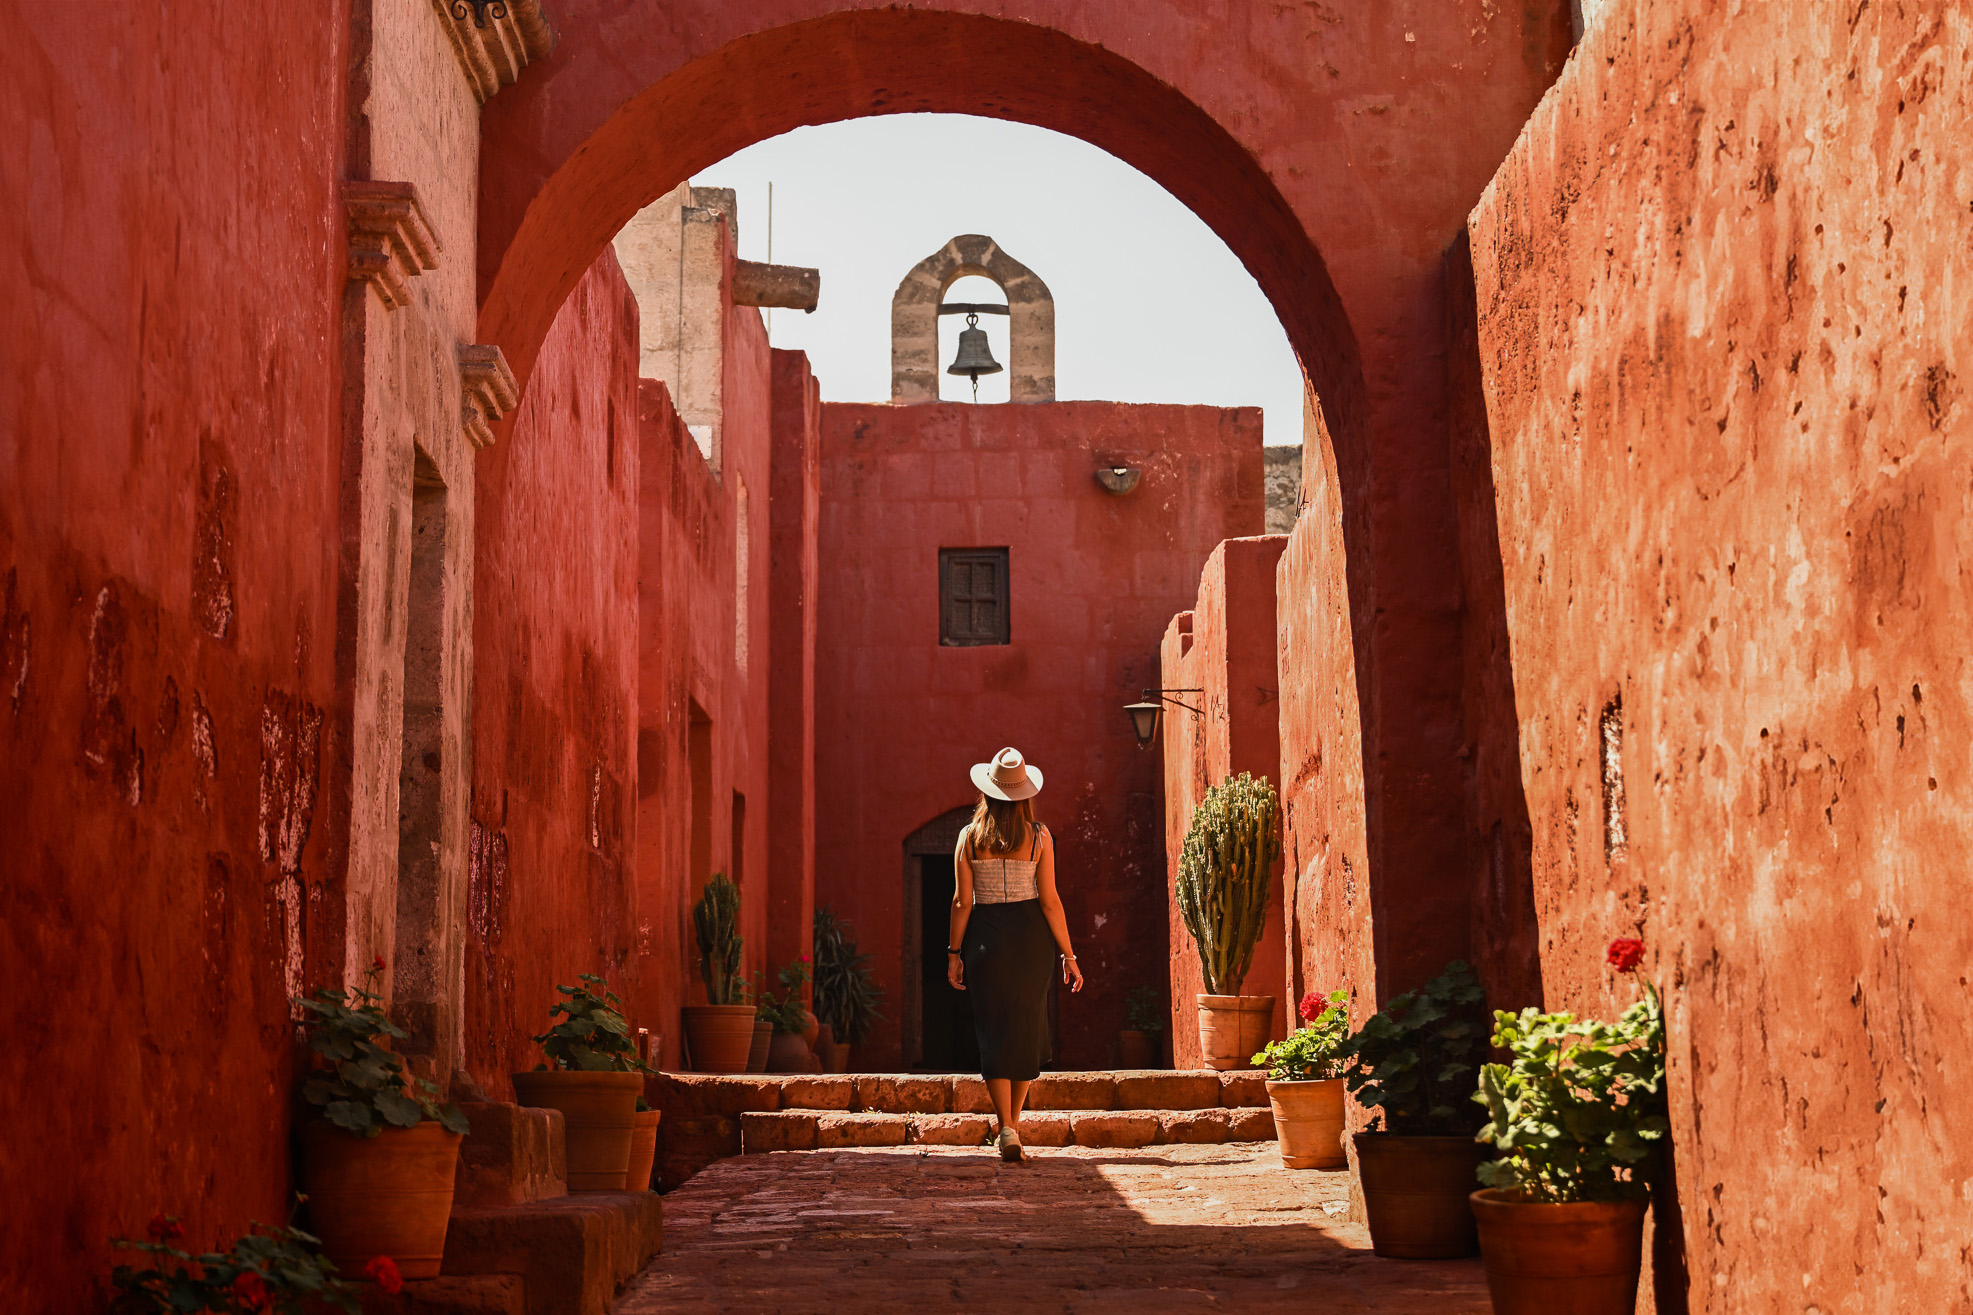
{"x": 915, "y": 321}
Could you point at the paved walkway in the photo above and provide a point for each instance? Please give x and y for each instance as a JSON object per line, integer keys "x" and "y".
{"x": 1165, "y": 1228}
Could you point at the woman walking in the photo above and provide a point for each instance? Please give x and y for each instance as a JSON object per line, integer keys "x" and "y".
{"x": 1007, "y": 927}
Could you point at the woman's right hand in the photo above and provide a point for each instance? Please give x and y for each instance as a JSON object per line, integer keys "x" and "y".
{"x": 955, "y": 971}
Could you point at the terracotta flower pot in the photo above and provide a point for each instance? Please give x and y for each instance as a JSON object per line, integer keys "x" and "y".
{"x": 643, "y": 1150}
{"x": 757, "y": 1049}
{"x": 789, "y": 1053}
{"x": 599, "y": 1113}
{"x": 1415, "y": 1192}
{"x": 1308, "y": 1122}
{"x": 1232, "y": 1028}
{"x": 811, "y": 1027}
{"x": 1136, "y": 1049}
{"x": 720, "y": 1036}
{"x": 388, "y": 1195}
{"x": 1576, "y": 1259}
{"x": 839, "y": 1057}
{"x": 824, "y": 1042}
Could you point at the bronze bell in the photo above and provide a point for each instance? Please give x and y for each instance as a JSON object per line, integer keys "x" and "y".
{"x": 975, "y": 358}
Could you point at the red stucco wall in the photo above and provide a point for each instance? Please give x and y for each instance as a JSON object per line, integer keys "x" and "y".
{"x": 550, "y": 891}
{"x": 899, "y": 719}
{"x": 169, "y": 856}
{"x": 1723, "y": 284}
{"x": 1225, "y": 649}
{"x": 794, "y": 500}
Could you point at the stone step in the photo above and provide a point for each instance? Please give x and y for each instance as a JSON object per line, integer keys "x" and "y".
{"x": 762, "y": 1131}
{"x": 475, "y": 1294}
{"x": 572, "y": 1253}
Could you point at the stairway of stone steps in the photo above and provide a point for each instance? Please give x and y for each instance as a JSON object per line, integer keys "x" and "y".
{"x": 708, "y": 1117}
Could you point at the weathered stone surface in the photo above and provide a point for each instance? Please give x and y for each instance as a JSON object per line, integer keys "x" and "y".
{"x": 1204, "y": 1126}
{"x": 1250, "y": 1125}
{"x": 790, "y": 286}
{"x": 951, "y": 1129}
{"x": 1166, "y": 1091}
{"x": 835, "y": 1131}
{"x": 969, "y": 1096}
{"x": 922, "y": 1228}
{"x": 702, "y": 1114}
{"x": 513, "y": 1154}
{"x": 891, "y": 1094}
{"x": 573, "y": 1253}
{"x": 1041, "y": 1128}
{"x": 1072, "y": 1091}
{"x": 829, "y": 1092}
{"x": 473, "y": 1294}
{"x": 1134, "y": 1128}
{"x": 1242, "y": 1089}
{"x": 785, "y": 1130}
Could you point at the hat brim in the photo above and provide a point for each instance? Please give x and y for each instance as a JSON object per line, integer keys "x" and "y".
{"x": 983, "y": 778}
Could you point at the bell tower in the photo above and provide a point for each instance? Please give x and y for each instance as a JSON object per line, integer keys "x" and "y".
{"x": 917, "y": 304}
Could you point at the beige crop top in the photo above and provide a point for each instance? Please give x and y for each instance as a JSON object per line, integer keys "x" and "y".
{"x": 1001, "y": 878}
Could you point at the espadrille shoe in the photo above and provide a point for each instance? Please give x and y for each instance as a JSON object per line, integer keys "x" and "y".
{"x": 1010, "y": 1145}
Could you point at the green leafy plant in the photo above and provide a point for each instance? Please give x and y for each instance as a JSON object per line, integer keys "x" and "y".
{"x": 846, "y": 992}
{"x": 269, "y": 1271}
{"x": 786, "y": 1012}
{"x": 593, "y": 1036}
{"x": 1414, "y": 1062}
{"x": 1230, "y": 846}
{"x": 1144, "y": 1010}
{"x": 716, "y": 918}
{"x": 1310, "y": 1052}
{"x": 357, "y": 1081}
{"x": 1578, "y": 1111}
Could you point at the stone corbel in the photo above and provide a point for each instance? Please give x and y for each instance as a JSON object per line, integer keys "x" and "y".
{"x": 495, "y": 44}
{"x": 487, "y": 390}
{"x": 390, "y": 240}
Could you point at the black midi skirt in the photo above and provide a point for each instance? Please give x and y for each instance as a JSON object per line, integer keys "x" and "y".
{"x": 1010, "y": 953}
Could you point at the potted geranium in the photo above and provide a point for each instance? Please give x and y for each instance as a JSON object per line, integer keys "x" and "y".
{"x": 846, "y": 992}
{"x": 594, "y": 1077}
{"x": 279, "y": 1271}
{"x": 1578, "y": 1115}
{"x": 1138, "y": 1045}
{"x": 721, "y": 1031}
{"x": 1413, "y": 1065}
{"x": 1224, "y": 874}
{"x": 1305, "y": 1087}
{"x": 379, "y": 1156}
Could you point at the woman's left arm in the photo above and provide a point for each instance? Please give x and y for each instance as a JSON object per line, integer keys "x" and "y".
{"x": 1051, "y": 908}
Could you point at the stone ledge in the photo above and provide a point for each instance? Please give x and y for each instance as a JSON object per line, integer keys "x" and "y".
{"x": 477, "y": 1294}
{"x": 1167, "y": 1091}
{"x": 763, "y": 1132}
{"x": 487, "y": 390}
{"x": 572, "y": 1254}
{"x": 390, "y": 239}
{"x": 514, "y": 35}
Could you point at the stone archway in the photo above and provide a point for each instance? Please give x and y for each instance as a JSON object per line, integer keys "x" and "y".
{"x": 915, "y": 320}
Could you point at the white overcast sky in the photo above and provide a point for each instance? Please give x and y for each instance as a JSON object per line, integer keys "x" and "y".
{"x": 1150, "y": 306}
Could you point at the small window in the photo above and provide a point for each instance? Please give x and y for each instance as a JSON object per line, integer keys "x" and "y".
{"x": 972, "y": 597}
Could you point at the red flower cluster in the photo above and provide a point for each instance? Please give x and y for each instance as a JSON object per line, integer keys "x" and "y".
{"x": 164, "y": 1228}
{"x": 250, "y": 1290}
{"x": 377, "y": 964}
{"x": 382, "y": 1271}
{"x": 1625, "y": 954}
{"x": 1311, "y": 1006}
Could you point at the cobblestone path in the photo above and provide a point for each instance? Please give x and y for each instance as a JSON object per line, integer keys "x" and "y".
{"x": 1165, "y": 1228}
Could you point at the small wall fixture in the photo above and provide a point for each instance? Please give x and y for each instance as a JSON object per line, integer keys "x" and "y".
{"x": 1118, "y": 480}
{"x": 481, "y": 9}
{"x": 1144, "y": 714}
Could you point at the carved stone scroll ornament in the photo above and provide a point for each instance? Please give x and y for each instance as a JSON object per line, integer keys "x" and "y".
{"x": 495, "y": 41}
{"x": 390, "y": 240}
{"x": 487, "y": 390}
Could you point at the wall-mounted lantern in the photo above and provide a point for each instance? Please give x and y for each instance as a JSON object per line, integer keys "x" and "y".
{"x": 1144, "y": 714}
{"x": 1118, "y": 480}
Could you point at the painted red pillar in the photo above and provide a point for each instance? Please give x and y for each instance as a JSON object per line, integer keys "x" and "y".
{"x": 793, "y": 506}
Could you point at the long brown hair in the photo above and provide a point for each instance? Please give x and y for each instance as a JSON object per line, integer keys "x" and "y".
{"x": 1001, "y": 826}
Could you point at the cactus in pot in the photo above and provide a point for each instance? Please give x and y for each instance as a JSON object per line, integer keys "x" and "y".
{"x": 720, "y": 1032}
{"x": 1224, "y": 876}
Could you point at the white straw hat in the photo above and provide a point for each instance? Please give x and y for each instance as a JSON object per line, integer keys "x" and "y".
{"x": 1008, "y": 776}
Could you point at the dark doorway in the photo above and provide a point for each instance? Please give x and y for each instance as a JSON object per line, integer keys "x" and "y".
{"x": 946, "y": 1036}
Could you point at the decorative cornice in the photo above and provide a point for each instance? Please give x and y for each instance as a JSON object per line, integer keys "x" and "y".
{"x": 487, "y": 390}
{"x": 516, "y": 34}
{"x": 390, "y": 240}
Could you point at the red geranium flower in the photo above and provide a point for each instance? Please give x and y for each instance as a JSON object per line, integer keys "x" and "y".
{"x": 377, "y": 964}
{"x": 1625, "y": 954}
{"x": 1311, "y": 1006}
{"x": 164, "y": 1228}
{"x": 382, "y": 1271}
{"x": 250, "y": 1290}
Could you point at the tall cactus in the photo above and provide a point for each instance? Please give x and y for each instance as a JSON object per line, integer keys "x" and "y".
{"x": 1223, "y": 876}
{"x": 717, "y": 918}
